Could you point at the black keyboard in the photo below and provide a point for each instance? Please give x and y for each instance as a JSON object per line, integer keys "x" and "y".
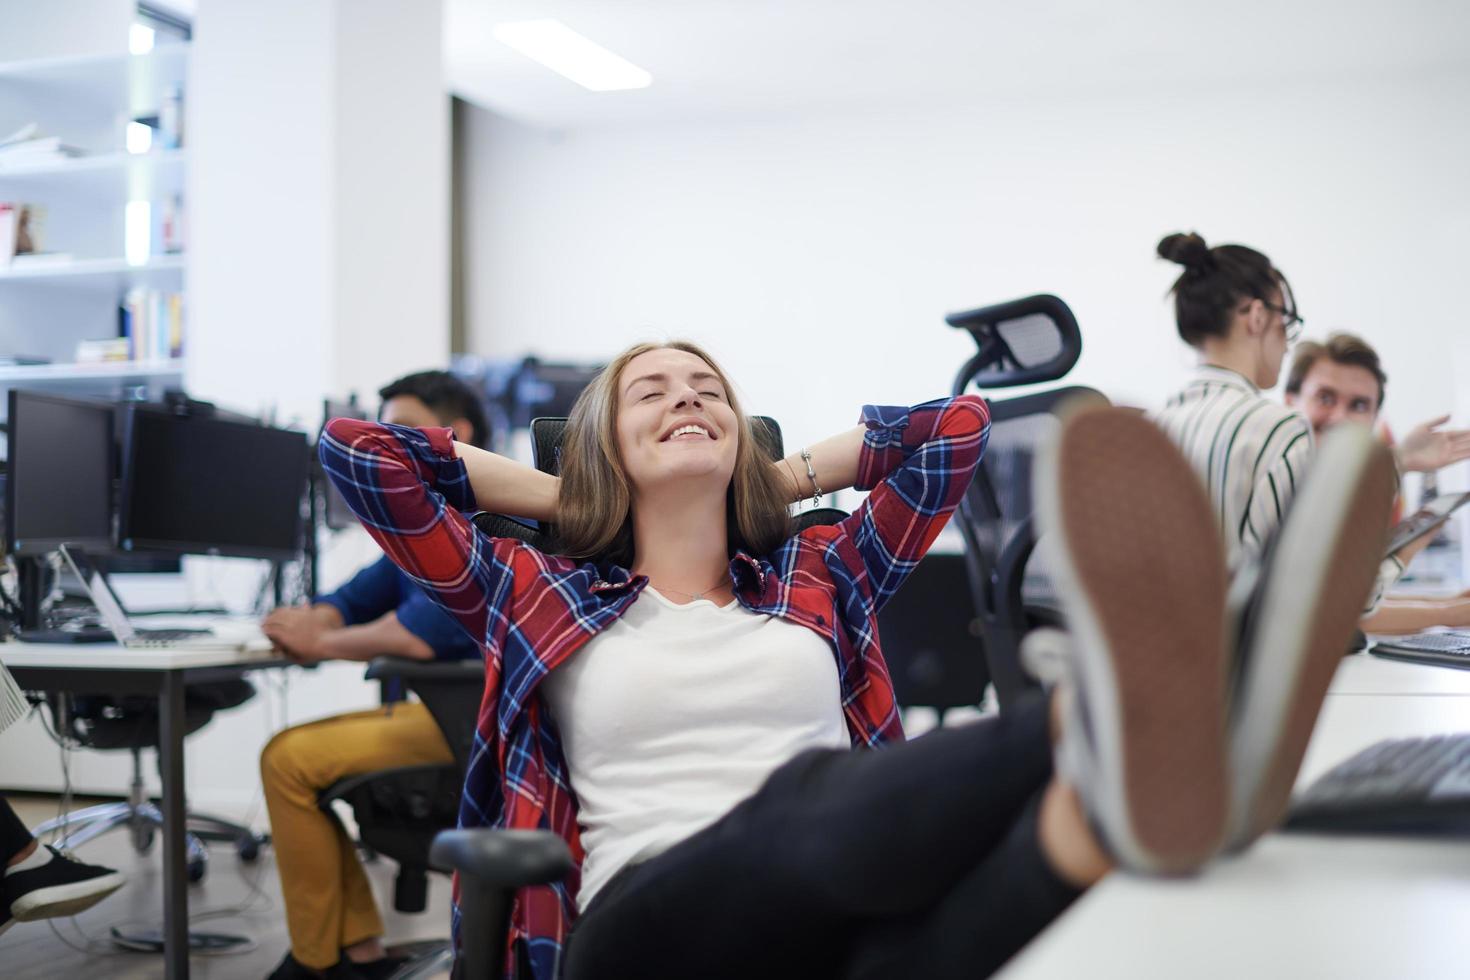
{"x": 1444, "y": 649}
{"x": 170, "y": 635}
{"x": 1408, "y": 785}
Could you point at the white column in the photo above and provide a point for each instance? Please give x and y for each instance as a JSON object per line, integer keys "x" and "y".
{"x": 318, "y": 200}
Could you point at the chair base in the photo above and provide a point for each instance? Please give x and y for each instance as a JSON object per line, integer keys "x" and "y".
{"x": 151, "y": 941}
{"x": 429, "y": 958}
{"x": 143, "y": 820}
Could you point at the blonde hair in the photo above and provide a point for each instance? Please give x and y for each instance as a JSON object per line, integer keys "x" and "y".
{"x": 595, "y": 515}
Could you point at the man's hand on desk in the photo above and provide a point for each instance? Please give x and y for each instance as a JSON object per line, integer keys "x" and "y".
{"x": 298, "y": 631}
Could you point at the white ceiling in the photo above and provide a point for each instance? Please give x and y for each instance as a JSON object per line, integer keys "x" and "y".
{"x": 726, "y": 59}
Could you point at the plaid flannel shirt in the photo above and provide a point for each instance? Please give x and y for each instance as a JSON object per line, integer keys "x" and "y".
{"x": 531, "y": 611}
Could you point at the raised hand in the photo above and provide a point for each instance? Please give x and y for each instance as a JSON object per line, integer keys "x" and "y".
{"x": 1427, "y": 447}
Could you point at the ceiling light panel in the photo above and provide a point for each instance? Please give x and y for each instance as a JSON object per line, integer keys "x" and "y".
{"x": 555, "y": 45}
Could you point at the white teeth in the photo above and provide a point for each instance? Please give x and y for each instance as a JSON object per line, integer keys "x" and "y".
{"x": 684, "y": 429}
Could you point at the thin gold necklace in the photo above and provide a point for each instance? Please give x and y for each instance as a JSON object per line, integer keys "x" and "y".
{"x": 692, "y": 595}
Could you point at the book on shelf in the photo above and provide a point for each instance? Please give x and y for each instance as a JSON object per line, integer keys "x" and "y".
{"x": 9, "y": 227}
{"x": 107, "y": 350}
{"x": 152, "y": 322}
{"x": 20, "y": 234}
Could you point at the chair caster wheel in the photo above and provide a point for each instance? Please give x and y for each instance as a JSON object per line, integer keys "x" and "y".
{"x": 248, "y": 848}
{"x": 196, "y": 870}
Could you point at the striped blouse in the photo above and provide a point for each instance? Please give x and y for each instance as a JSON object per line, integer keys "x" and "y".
{"x": 1251, "y": 454}
{"x": 1249, "y": 451}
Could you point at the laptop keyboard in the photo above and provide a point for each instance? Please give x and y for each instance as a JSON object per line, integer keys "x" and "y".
{"x": 1444, "y": 649}
{"x": 1438, "y": 642}
{"x": 1398, "y": 784}
{"x": 170, "y": 635}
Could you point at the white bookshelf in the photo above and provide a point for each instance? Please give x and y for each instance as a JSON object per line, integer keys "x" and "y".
{"x": 107, "y": 273}
{"x": 27, "y": 374}
{"x": 156, "y": 174}
{"x": 48, "y": 305}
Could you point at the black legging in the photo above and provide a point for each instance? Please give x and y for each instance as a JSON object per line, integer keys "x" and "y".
{"x": 915, "y": 860}
{"x": 14, "y": 837}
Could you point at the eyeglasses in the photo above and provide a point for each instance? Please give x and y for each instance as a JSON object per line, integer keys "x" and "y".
{"x": 1290, "y": 321}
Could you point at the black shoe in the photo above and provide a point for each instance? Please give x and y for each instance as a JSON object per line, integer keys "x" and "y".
{"x": 291, "y": 969}
{"x": 382, "y": 968}
{"x": 61, "y": 886}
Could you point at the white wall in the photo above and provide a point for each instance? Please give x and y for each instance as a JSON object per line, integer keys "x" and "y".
{"x": 817, "y": 256}
{"x": 63, "y": 28}
{"x": 391, "y": 188}
{"x": 318, "y": 189}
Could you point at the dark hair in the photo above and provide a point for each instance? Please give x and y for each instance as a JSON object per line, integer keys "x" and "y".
{"x": 446, "y": 396}
{"x": 1341, "y": 348}
{"x": 1215, "y": 281}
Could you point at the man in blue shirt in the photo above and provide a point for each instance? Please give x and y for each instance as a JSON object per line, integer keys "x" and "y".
{"x": 333, "y": 921}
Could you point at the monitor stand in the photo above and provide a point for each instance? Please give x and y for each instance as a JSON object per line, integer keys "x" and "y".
{"x": 32, "y": 575}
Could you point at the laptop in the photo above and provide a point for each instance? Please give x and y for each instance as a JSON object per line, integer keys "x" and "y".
{"x": 115, "y": 619}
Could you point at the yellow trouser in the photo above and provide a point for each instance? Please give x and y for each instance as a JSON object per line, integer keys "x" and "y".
{"x": 329, "y": 904}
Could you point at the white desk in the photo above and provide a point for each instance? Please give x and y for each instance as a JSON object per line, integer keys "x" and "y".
{"x": 1295, "y": 905}
{"x": 105, "y": 668}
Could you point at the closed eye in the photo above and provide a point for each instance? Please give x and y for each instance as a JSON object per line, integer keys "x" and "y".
{"x": 712, "y": 394}
{"x": 651, "y": 394}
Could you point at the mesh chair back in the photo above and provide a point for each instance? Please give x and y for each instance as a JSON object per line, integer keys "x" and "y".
{"x": 1023, "y": 342}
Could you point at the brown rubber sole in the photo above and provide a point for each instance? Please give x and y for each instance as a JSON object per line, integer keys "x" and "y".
{"x": 1142, "y": 547}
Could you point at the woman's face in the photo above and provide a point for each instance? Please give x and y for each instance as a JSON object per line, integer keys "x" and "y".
{"x": 675, "y": 422}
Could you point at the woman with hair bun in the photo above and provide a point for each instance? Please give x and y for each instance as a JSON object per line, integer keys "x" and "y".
{"x": 1236, "y": 308}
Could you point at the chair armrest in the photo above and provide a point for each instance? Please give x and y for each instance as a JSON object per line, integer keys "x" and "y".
{"x": 409, "y": 670}
{"x": 503, "y": 858}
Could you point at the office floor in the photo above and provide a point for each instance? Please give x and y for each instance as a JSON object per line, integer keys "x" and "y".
{"x": 247, "y": 896}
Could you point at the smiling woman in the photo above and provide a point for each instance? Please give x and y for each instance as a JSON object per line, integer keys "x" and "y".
{"x": 688, "y": 691}
{"x": 622, "y": 432}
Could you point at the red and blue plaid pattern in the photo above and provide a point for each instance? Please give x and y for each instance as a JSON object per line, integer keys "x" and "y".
{"x": 531, "y": 611}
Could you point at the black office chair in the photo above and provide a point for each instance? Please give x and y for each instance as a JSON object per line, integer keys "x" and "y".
{"x": 1028, "y": 341}
{"x": 132, "y": 723}
{"x": 495, "y": 864}
{"x": 398, "y": 811}
{"x": 930, "y": 632}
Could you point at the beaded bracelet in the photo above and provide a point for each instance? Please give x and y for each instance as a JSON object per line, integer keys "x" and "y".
{"x": 811, "y": 474}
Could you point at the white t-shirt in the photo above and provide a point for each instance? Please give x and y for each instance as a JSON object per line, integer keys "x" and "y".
{"x": 675, "y": 713}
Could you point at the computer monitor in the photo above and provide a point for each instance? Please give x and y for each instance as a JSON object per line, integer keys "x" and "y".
{"x": 202, "y": 485}
{"x": 59, "y": 482}
{"x": 541, "y": 389}
{"x": 336, "y": 515}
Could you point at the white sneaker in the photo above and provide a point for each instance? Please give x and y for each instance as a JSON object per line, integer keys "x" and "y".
{"x": 1141, "y": 573}
{"x": 1306, "y": 600}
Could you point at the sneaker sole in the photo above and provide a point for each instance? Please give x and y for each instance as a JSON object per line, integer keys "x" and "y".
{"x": 1143, "y": 573}
{"x": 61, "y": 900}
{"x": 1313, "y": 596}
